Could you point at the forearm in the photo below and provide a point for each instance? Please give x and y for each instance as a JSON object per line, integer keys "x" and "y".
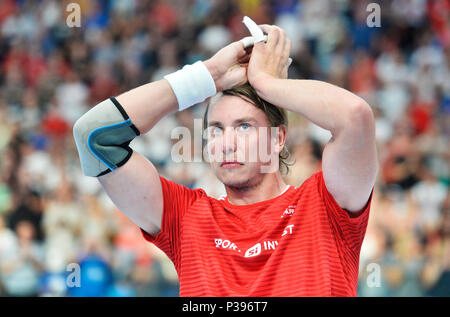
{"x": 147, "y": 104}
{"x": 324, "y": 104}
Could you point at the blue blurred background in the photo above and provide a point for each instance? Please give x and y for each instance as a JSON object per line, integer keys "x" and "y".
{"x": 50, "y": 74}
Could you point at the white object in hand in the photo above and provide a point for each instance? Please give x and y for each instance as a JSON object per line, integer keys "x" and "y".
{"x": 249, "y": 41}
{"x": 255, "y": 30}
{"x": 257, "y": 35}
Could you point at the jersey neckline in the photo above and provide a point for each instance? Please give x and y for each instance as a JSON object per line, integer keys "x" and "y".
{"x": 228, "y": 204}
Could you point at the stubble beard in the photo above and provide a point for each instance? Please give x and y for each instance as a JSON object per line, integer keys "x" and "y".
{"x": 243, "y": 185}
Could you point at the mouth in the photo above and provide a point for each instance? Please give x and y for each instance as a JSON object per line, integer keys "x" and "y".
{"x": 231, "y": 164}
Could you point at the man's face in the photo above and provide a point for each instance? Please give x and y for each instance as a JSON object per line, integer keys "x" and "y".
{"x": 239, "y": 142}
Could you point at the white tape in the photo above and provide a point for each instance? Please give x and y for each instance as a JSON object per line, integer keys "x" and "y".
{"x": 257, "y": 35}
{"x": 255, "y": 30}
{"x": 249, "y": 41}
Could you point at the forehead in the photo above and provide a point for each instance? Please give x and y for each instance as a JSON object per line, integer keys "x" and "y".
{"x": 232, "y": 108}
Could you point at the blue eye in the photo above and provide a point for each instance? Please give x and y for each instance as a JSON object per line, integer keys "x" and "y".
{"x": 214, "y": 130}
{"x": 245, "y": 127}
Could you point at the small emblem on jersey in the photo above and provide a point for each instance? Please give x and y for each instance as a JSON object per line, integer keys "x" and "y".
{"x": 289, "y": 211}
{"x": 253, "y": 251}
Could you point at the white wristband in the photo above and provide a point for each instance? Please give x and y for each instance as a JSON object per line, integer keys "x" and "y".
{"x": 191, "y": 84}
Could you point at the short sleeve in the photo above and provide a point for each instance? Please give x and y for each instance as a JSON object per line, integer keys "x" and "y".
{"x": 350, "y": 227}
{"x": 176, "y": 201}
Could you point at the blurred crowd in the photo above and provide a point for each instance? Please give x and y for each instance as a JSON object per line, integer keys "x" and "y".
{"x": 59, "y": 230}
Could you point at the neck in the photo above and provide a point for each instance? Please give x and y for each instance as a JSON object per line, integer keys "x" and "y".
{"x": 270, "y": 187}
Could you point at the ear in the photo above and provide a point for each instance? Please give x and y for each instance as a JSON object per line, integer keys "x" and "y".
{"x": 281, "y": 138}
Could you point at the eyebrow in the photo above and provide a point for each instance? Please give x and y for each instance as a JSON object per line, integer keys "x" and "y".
{"x": 215, "y": 124}
{"x": 235, "y": 122}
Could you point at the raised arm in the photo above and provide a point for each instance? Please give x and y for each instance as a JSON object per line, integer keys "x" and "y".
{"x": 349, "y": 161}
{"x": 103, "y": 135}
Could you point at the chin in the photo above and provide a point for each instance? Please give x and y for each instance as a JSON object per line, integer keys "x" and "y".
{"x": 244, "y": 183}
{"x": 237, "y": 179}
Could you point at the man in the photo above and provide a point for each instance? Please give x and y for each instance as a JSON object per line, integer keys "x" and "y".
{"x": 265, "y": 238}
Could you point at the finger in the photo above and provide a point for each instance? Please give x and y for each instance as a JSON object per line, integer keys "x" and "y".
{"x": 238, "y": 76}
{"x": 239, "y": 49}
{"x": 282, "y": 38}
{"x": 273, "y": 35}
{"x": 282, "y": 42}
{"x": 244, "y": 59}
{"x": 285, "y": 70}
{"x": 287, "y": 49}
{"x": 265, "y": 27}
{"x": 249, "y": 41}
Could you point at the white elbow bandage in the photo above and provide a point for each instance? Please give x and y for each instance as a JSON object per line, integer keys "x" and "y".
{"x": 102, "y": 136}
{"x": 191, "y": 84}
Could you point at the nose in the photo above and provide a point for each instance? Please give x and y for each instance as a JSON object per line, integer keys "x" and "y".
{"x": 229, "y": 141}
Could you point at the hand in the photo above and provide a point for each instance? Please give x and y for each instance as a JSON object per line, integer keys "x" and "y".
{"x": 228, "y": 66}
{"x": 271, "y": 59}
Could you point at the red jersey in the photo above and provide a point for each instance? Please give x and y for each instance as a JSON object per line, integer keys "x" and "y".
{"x": 300, "y": 243}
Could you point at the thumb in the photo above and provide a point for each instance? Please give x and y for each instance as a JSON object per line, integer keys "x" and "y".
{"x": 237, "y": 76}
{"x": 228, "y": 56}
{"x": 235, "y": 51}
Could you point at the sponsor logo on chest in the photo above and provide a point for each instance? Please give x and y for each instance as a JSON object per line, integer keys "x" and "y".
{"x": 259, "y": 247}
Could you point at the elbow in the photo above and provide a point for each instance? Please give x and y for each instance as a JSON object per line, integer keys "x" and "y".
{"x": 79, "y": 130}
{"x": 76, "y": 128}
{"x": 361, "y": 110}
{"x": 361, "y": 117}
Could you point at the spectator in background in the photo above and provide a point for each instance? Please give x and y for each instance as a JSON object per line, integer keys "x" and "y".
{"x": 62, "y": 222}
{"x": 71, "y": 97}
{"x": 22, "y": 266}
{"x": 8, "y": 245}
{"x": 429, "y": 195}
{"x": 29, "y": 210}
